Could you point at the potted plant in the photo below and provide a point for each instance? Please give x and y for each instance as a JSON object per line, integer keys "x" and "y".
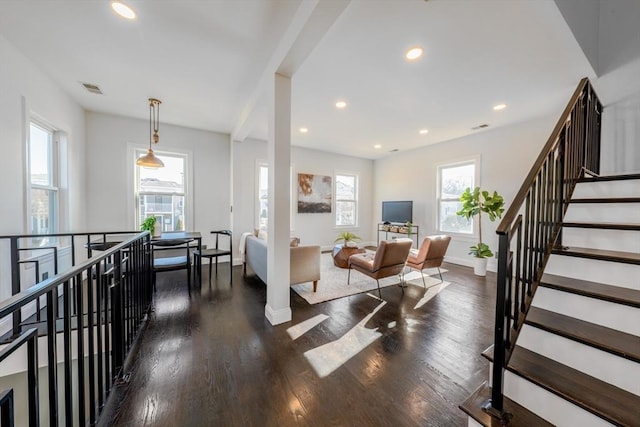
{"x": 409, "y": 226}
{"x": 348, "y": 237}
{"x": 474, "y": 203}
{"x": 149, "y": 224}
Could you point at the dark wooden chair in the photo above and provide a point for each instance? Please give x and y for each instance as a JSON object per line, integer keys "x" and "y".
{"x": 216, "y": 253}
{"x": 172, "y": 262}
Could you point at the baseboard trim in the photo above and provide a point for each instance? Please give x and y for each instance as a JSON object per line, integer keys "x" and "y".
{"x": 492, "y": 264}
{"x": 277, "y": 317}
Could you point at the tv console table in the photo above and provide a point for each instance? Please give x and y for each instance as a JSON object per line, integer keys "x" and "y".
{"x": 398, "y": 230}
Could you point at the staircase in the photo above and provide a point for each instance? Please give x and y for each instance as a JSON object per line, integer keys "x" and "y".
{"x": 576, "y": 360}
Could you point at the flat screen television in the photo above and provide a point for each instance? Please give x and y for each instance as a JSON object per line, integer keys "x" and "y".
{"x": 397, "y": 211}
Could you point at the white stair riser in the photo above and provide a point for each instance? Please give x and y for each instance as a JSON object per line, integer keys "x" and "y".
{"x": 626, "y": 188}
{"x": 612, "y": 240}
{"x": 472, "y": 423}
{"x": 620, "y": 213}
{"x": 620, "y": 372}
{"x": 593, "y": 270}
{"x": 615, "y": 316}
{"x": 548, "y": 405}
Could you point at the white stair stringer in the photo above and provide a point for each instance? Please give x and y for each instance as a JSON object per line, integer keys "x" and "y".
{"x": 626, "y": 213}
{"x": 607, "y": 367}
{"x": 548, "y": 405}
{"x": 593, "y": 270}
{"x": 602, "y": 189}
{"x": 609, "y": 314}
{"x": 606, "y": 239}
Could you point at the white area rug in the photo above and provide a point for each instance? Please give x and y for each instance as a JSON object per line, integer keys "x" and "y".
{"x": 333, "y": 282}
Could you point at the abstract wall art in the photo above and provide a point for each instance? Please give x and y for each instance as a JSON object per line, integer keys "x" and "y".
{"x": 314, "y": 193}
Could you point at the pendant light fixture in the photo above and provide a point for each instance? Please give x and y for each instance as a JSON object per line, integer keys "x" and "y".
{"x": 149, "y": 160}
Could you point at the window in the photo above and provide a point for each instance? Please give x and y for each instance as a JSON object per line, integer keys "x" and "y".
{"x": 161, "y": 192}
{"x": 43, "y": 180}
{"x": 263, "y": 196}
{"x": 452, "y": 181}
{"x": 262, "y": 206}
{"x": 346, "y": 200}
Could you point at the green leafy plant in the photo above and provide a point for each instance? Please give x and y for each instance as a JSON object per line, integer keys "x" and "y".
{"x": 347, "y": 236}
{"x": 409, "y": 226}
{"x": 148, "y": 224}
{"x": 474, "y": 203}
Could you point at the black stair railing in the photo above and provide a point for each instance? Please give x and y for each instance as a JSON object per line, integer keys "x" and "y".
{"x": 93, "y": 310}
{"x": 532, "y": 224}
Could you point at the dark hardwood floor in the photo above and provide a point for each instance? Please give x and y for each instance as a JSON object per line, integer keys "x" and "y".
{"x": 214, "y": 359}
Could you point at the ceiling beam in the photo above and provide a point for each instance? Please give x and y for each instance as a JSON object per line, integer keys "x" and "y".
{"x": 311, "y": 22}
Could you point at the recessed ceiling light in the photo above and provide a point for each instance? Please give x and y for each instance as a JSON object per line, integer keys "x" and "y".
{"x": 303, "y": 130}
{"x": 123, "y": 10}
{"x": 499, "y": 107}
{"x": 377, "y": 146}
{"x": 341, "y": 104}
{"x": 413, "y": 53}
{"x": 423, "y": 131}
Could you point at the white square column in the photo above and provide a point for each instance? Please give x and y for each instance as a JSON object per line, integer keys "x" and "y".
{"x": 278, "y": 308}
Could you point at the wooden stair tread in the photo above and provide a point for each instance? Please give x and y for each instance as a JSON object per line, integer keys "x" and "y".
{"x": 603, "y": 225}
{"x": 622, "y": 177}
{"x": 601, "y": 254}
{"x": 521, "y": 416}
{"x": 606, "y": 339}
{"x": 611, "y": 403}
{"x": 607, "y": 200}
{"x": 617, "y": 294}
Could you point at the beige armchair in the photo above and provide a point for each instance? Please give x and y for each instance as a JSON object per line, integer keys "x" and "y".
{"x": 388, "y": 260}
{"x": 430, "y": 255}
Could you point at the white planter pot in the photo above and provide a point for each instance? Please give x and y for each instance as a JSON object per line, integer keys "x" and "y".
{"x": 157, "y": 229}
{"x": 480, "y": 266}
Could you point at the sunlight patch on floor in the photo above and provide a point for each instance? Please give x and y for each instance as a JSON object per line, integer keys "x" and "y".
{"x": 430, "y": 293}
{"x": 171, "y": 307}
{"x": 329, "y": 357}
{"x": 302, "y": 328}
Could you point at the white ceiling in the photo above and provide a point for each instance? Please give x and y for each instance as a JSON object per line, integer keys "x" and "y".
{"x": 206, "y": 60}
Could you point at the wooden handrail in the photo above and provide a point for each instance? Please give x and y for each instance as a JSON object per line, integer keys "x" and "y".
{"x": 552, "y": 142}
{"x": 533, "y": 222}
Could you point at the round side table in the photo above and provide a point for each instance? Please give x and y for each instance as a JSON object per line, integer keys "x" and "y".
{"x": 342, "y": 253}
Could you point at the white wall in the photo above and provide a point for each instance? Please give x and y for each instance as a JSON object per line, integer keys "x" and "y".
{"x": 310, "y": 228}
{"x": 20, "y": 79}
{"x": 608, "y": 34}
{"x": 621, "y": 136}
{"x": 583, "y": 16}
{"x": 506, "y": 155}
{"x": 110, "y": 166}
{"x": 25, "y": 90}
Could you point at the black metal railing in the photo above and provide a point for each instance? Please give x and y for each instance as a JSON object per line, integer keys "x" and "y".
{"x": 532, "y": 224}
{"x": 92, "y": 309}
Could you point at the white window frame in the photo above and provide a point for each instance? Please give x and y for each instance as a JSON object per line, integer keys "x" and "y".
{"x": 54, "y": 185}
{"x": 260, "y": 163}
{"x": 475, "y": 161}
{"x": 354, "y": 200}
{"x": 137, "y": 151}
{"x": 258, "y": 209}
